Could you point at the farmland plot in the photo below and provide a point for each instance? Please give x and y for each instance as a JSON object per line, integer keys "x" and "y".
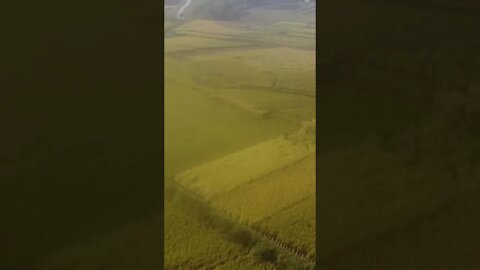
{"x": 277, "y": 58}
{"x": 192, "y": 245}
{"x": 226, "y": 72}
{"x": 190, "y": 43}
{"x": 209, "y": 26}
{"x": 270, "y": 193}
{"x": 224, "y": 174}
{"x": 295, "y": 225}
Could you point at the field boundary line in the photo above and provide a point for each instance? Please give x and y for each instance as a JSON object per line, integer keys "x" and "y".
{"x": 287, "y": 207}
{"x": 257, "y": 179}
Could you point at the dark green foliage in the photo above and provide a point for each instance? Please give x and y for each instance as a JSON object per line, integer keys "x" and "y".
{"x": 285, "y": 262}
{"x": 243, "y": 237}
{"x": 265, "y": 253}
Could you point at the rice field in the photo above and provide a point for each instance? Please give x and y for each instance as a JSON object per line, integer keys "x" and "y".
{"x": 231, "y": 137}
{"x": 189, "y": 244}
{"x": 192, "y": 43}
{"x": 209, "y": 26}
{"x": 270, "y": 193}
{"x": 231, "y": 171}
{"x": 187, "y": 114}
{"x": 272, "y": 59}
{"x": 294, "y": 225}
{"x": 281, "y": 103}
{"x": 279, "y": 70}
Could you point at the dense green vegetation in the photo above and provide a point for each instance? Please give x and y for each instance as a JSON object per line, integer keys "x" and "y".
{"x": 285, "y": 226}
{"x": 191, "y": 244}
{"x": 200, "y": 236}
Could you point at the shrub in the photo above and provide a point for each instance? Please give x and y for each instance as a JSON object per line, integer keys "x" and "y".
{"x": 265, "y": 253}
{"x": 243, "y": 237}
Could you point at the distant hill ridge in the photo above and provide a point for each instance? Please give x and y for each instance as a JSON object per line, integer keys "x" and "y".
{"x": 230, "y": 9}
